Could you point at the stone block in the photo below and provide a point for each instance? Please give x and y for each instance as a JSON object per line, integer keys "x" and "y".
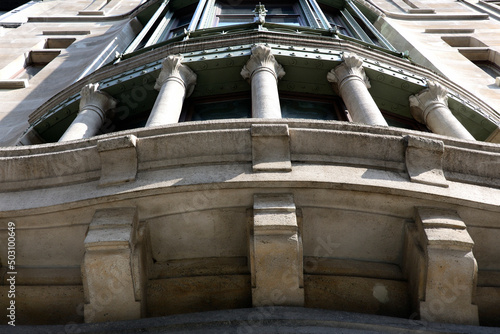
{"x": 271, "y": 148}
{"x": 441, "y": 267}
{"x": 113, "y": 267}
{"x": 118, "y": 160}
{"x": 424, "y": 161}
{"x": 276, "y": 257}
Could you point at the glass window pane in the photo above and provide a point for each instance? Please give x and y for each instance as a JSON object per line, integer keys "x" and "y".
{"x": 236, "y": 9}
{"x": 237, "y": 19}
{"x": 279, "y": 9}
{"x": 307, "y": 109}
{"x": 284, "y": 20}
{"x": 222, "y": 110}
{"x": 286, "y": 13}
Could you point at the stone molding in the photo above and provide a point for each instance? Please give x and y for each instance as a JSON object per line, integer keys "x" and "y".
{"x": 428, "y": 100}
{"x": 262, "y": 59}
{"x": 424, "y": 161}
{"x": 174, "y": 70}
{"x": 350, "y": 68}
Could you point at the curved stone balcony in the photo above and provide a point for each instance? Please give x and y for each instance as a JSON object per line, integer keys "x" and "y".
{"x": 181, "y": 218}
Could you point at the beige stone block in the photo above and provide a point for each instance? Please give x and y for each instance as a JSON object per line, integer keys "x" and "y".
{"x": 276, "y": 257}
{"x": 113, "y": 269}
{"x": 271, "y": 148}
{"x": 357, "y": 294}
{"x": 447, "y": 284}
{"x": 45, "y": 304}
{"x": 424, "y": 161}
{"x": 118, "y": 160}
{"x": 197, "y": 294}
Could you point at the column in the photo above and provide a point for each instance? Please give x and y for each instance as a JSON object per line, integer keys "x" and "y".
{"x": 175, "y": 82}
{"x": 351, "y": 82}
{"x": 430, "y": 107}
{"x": 276, "y": 257}
{"x": 94, "y": 105}
{"x": 263, "y": 72}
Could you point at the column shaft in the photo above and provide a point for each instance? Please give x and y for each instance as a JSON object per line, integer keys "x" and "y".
{"x": 168, "y": 105}
{"x": 93, "y": 107}
{"x": 440, "y": 120}
{"x": 175, "y": 82}
{"x": 430, "y": 107}
{"x": 352, "y": 84}
{"x": 263, "y": 71}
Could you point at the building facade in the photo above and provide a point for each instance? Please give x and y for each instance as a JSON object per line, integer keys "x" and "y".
{"x": 161, "y": 158}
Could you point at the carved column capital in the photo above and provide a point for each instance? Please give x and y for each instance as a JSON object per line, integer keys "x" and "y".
{"x": 350, "y": 68}
{"x": 174, "y": 70}
{"x": 94, "y": 99}
{"x": 429, "y": 99}
{"x": 262, "y": 59}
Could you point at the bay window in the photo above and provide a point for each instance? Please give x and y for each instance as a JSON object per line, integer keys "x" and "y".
{"x": 227, "y": 13}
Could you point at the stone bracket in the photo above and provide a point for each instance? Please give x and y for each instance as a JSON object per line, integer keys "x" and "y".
{"x": 114, "y": 267}
{"x": 118, "y": 160}
{"x": 440, "y": 267}
{"x": 276, "y": 256}
{"x": 424, "y": 161}
{"x": 270, "y": 148}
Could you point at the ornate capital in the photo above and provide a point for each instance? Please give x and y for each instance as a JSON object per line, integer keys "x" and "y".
{"x": 92, "y": 98}
{"x": 429, "y": 99}
{"x": 351, "y": 67}
{"x": 262, "y": 59}
{"x": 173, "y": 69}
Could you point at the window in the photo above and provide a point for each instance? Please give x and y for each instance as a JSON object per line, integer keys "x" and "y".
{"x": 486, "y": 59}
{"x": 217, "y": 107}
{"x": 315, "y": 107}
{"x": 492, "y": 69}
{"x": 335, "y": 19}
{"x": 399, "y": 121}
{"x": 240, "y": 106}
{"x": 227, "y": 13}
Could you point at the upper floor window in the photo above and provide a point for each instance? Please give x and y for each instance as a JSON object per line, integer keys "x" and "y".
{"x": 173, "y": 18}
{"x": 277, "y": 12}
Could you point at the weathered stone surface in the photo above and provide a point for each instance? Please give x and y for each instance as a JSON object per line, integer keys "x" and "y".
{"x": 113, "y": 268}
{"x": 270, "y": 148}
{"x": 118, "y": 160}
{"x": 441, "y": 267}
{"x": 424, "y": 161}
{"x": 276, "y": 258}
